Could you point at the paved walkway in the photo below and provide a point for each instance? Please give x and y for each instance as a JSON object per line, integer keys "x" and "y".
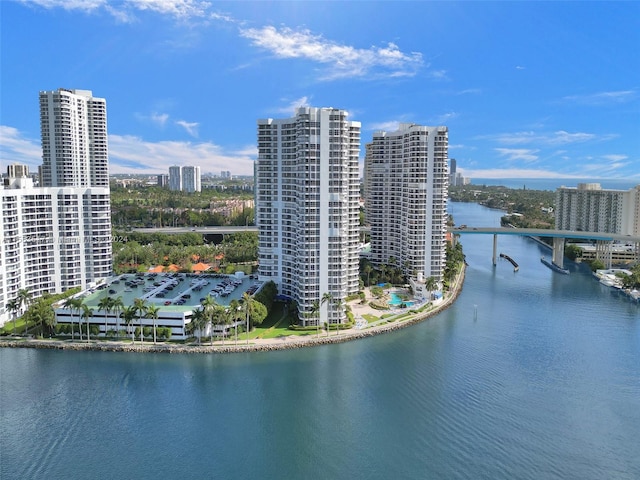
{"x": 262, "y": 344}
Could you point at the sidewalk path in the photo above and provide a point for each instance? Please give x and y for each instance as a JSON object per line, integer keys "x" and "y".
{"x": 257, "y": 344}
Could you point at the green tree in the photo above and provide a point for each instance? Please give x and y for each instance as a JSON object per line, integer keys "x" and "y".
{"x": 141, "y": 309}
{"x": 315, "y": 313}
{"x": 13, "y": 306}
{"x": 105, "y": 304}
{"x": 74, "y": 305}
{"x": 128, "y": 315}
{"x": 339, "y": 305}
{"x": 86, "y": 314}
{"x": 198, "y": 322}
{"x": 328, "y": 299}
{"x": 117, "y": 306}
{"x": 152, "y": 313}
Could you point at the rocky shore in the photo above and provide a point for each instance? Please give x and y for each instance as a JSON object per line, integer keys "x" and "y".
{"x": 255, "y": 345}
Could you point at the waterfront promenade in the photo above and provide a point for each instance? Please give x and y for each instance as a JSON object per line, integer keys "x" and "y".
{"x": 388, "y": 324}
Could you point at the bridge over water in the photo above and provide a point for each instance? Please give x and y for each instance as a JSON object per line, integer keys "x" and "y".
{"x": 603, "y": 240}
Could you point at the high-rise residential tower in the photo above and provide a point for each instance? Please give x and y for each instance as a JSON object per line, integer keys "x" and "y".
{"x": 191, "y": 179}
{"x": 58, "y": 235}
{"x": 307, "y": 191}
{"x": 406, "y": 181}
{"x": 73, "y": 126}
{"x": 590, "y": 208}
{"x": 175, "y": 178}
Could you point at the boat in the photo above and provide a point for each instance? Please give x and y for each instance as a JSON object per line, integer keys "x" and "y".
{"x": 554, "y": 267}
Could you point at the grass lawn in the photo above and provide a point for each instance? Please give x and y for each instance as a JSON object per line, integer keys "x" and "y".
{"x": 370, "y": 318}
{"x": 7, "y": 329}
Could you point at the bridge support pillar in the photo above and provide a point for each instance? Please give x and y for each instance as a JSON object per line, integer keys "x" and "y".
{"x": 603, "y": 252}
{"x": 558, "y": 252}
{"x": 495, "y": 249}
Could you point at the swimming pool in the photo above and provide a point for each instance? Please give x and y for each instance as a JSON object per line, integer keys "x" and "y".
{"x": 396, "y": 300}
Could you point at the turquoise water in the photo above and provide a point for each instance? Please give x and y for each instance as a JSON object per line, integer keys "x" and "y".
{"x": 395, "y": 300}
{"x": 542, "y": 383}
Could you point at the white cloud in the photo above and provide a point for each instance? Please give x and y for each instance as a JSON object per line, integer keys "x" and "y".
{"x": 290, "y": 109}
{"x": 16, "y": 148}
{"x": 603, "y": 98}
{"x": 519, "y": 67}
{"x": 615, "y": 158}
{"x": 439, "y": 74}
{"x": 468, "y": 91}
{"x": 512, "y": 154}
{"x": 390, "y": 126}
{"x": 124, "y": 11}
{"x": 559, "y": 137}
{"x": 130, "y": 154}
{"x": 190, "y": 127}
{"x": 343, "y": 60}
{"x": 159, "y": 118}
{"x": 445, "y": 118}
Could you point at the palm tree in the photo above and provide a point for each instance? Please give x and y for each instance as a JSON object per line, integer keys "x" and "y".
{"x": 328, "y": 299}
{"x": 234, "y": 306}
{"x": 338, "y": 304}
{"x": 140, "y": 308}
{"x": 431, "y": 283}
{"x": 24, "y": 299}
{"x": 86, "y": 313}
{"x": 208, "y": 307}
{"x": 13, "y": 307}
{"x": 105, "y": 305}
{"x": 198, "y": 322}
{"x": 128, "y": 315}
{"x": 315, "y": 312}
{"x": 117, "y": 306}
{"x": 247, "y": 309}
{"x": 152, "y": 313}
{"x": 367, "y": 270}
{"x": 73, "y": 304}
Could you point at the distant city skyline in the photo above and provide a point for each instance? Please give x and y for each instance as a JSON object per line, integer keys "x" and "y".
{"x": 526, "y": 89}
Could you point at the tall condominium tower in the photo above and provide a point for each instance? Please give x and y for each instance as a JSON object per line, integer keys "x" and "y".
{"x": 73, "y": 127}
{"x": 591, "y": 208}
{"x": 191, "y": 179}
{"x": 58, "y": 235}
{"x": 406, "y": 180}
{"x": 175, "y": 178}
{"x": 307, "y": 192}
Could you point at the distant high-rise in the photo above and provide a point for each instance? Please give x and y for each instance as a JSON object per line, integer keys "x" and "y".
{"x": 307, "y": 191}
{"x": 175, "y": 178}
{"x": 186, "y": 179}
{"x": 225, "y": 174}
{"x": 591, "y": 208}
{"x": 191, "y": 179}
{"x": 73, "y": 127}
{"x": 406, "y": 181}
{"x": 17, "y": 170}
{"x": 163, "y": 180}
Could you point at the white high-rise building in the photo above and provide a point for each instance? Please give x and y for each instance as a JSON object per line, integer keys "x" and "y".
{"x": 307, "y": 191}
{"x": 73, "y": 126}
{"x": 591, "y": 208}
{"x": 58, "y": 236}
{"x": 191, "y": 179}
{"x": 175, "y": 178}
{"x": 406, "y": 181}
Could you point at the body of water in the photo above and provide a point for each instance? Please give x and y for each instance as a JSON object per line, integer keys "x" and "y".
{"x": 554, "y": 183}
{"x": 529, "y": 375}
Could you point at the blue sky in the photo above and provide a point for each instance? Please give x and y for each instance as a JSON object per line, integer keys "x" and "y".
{"x": 527, "y": 90}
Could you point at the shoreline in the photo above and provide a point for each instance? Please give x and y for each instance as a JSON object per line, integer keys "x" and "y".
{"x": 255, "y": 345}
